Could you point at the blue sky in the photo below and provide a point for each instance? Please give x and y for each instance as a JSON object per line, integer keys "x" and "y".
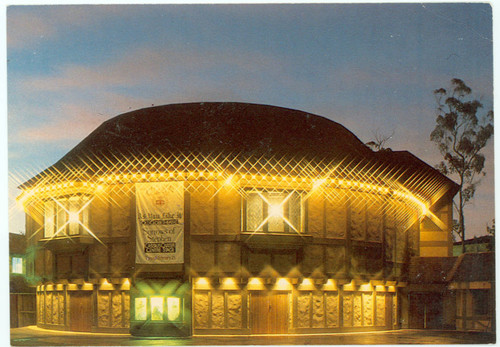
{"x": 369, "y": 67}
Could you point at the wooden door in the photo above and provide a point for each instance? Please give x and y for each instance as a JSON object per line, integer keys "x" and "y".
{"x": 269, "y": 313}
{"x": 388, "y": 312}
{"x": 80, "y": 305}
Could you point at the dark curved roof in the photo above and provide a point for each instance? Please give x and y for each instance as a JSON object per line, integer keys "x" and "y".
{"x": 218, "y": 129}
{"x": 226, "y": 127}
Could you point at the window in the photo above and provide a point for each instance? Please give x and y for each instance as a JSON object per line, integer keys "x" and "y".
{"x": 17, "y": 265}
{"x": 158, "y": 306}
{"x": 66, "y": 216}
{"x": 273, "y": 212}
{"x": 141, "y": 312}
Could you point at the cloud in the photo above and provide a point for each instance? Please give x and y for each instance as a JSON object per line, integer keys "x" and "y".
{"x": 26, "y": 25}
{"x": 69, "y": 123}
{"x": 149, "y": 66}
{"x": 25, "y": 29}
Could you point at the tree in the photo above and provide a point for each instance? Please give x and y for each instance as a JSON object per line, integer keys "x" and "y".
{"x": 461, "y": 133}
{"x": 379, "y": 141}
{"x": 491, "y": 231}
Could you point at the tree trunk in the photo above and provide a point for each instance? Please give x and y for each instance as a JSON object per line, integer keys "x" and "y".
{"x": 461, "y": 221}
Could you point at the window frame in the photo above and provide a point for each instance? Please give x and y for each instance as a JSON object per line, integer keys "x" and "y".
{"x": 57, "y": 216}
{"x": 287, "y": 230}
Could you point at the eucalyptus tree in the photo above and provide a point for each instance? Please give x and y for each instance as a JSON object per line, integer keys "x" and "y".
{"x": 462, "y": 131}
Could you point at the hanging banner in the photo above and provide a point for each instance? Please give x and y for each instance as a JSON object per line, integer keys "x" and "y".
{"x": 160, "y": 223}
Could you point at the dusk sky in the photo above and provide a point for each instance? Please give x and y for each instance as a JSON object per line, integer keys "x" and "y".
{"x": 369, "y": 67}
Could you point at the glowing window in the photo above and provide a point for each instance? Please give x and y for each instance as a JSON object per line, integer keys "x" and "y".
{"x": 17, "y": 265}
{"x": 141, "y": 312}
{"x": 66, "y": 216}
{"x": 273, "y": 212}
{"x": 173, "y": 308}
{"x": 156, "y": 308}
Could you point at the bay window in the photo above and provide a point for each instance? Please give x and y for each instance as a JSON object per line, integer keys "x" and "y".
{"x": 66, "y": 216}
{"x": 273, "y": 212}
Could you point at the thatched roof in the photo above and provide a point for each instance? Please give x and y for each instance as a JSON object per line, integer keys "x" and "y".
{"x": 221, "y": 130}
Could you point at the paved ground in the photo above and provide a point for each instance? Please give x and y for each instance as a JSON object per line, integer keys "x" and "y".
{"x": 33, "y": 336}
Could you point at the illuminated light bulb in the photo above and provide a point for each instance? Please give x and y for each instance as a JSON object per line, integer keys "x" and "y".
{"x": 228, "y": 180}
{"x": 171, "y": 174}
{"x": 73, "y": 217}
{"x": 318, "y": 183}
{"x": 143, "y": 176}
{"x": 72, "y": 184}
{"x": 255, "y": 281}
{"x": 276, "y": 210}
{"x": 366, "y": 287}
{"x": 294, "y": 179}
{"x": 425, "y": 211}
{"x": 282, "y": 283}
{"x": 306, "y": 281}
{"x": 330, "y": 283}
{"x": 100, "y": 187}
{"x": 202, "y": 281}
{"x": 229, "y": 281}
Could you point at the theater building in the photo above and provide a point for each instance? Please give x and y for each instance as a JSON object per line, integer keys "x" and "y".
{"x": 230, "y": 218}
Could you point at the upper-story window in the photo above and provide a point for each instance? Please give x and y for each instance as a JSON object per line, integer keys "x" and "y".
{"x": 273, "y": 212}
{"x": 66, "y": 216}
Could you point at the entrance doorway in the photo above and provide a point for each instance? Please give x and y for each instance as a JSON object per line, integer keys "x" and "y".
{"x": 269, "y": 313}
{"x": 80, "y": 305}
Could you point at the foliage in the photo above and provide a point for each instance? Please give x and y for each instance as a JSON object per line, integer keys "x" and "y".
{"x": 460, "y": 134}
{"x": 491, "y": 230}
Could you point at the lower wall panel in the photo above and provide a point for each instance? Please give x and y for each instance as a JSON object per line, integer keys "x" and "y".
{"x": 234, "y": 311}
{"x": 104, "y": 310}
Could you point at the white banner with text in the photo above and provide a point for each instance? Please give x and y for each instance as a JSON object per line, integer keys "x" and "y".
{"x": 160, "y": 223}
